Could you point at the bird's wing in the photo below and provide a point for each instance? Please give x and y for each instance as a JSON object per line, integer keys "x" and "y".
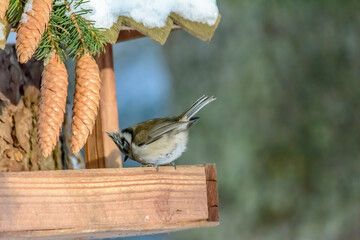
{"x": 160, "y": 129}
{"x": 165, "y": 128}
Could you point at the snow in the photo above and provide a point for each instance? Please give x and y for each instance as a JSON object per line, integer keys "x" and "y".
{"x": 27, "y": 9}
{"x": 152, "y": 13}
{"x": 2, "y": 35}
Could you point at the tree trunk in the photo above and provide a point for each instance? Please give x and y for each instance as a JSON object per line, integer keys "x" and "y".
{"x": 19, "y": 98}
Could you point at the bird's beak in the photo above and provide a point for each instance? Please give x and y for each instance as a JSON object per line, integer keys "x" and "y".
{"x": 126, "y": 157}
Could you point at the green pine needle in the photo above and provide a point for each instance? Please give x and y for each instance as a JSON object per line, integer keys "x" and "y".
{"x": 16, "y": 7}
{"x": 70, "y": 37}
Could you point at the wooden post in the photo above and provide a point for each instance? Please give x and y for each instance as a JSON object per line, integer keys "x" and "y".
{"x": 100, "y": 151}
{"x": 212, "y": 193}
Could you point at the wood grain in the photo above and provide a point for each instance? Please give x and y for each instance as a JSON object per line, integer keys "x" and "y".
{"x": 100, "y": 151}
{"x": 103, "y": 202}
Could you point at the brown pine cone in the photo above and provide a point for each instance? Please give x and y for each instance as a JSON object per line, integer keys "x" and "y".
{"x": 32, "y": 26}
{"x": 52, "y": 104}
{"x": 4, "y": 5}
{"x": 86, "y": 101}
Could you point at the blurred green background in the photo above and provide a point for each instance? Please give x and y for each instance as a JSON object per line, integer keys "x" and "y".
{"x": 285, "y": 129}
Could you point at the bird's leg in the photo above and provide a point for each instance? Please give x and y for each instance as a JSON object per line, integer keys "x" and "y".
{"x": 147, "y": 165}
{"x": 173, "y": 164}
{"x": 151, "y": 165}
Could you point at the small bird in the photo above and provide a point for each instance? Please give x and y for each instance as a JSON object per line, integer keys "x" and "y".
{"x": 158, "y": 141}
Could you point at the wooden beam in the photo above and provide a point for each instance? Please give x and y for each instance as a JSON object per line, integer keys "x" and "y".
{"x": 212, "y": 193}
{"x": 100, "y": 151}
{"x": 130, "y": 34}
{"x": 99, "y": 203}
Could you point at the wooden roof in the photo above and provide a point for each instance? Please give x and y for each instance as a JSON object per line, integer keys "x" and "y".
{"x": 126, "y": 29}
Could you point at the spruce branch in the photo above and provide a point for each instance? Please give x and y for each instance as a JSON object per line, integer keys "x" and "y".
{"x": 54, "y": 34}
{"x": 84, "y": 37}
{"x": 69, "y": 33}
{"x": 16, "y": 7}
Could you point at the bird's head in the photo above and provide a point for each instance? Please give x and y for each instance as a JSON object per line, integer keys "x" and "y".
{"x": 123, "y": 140}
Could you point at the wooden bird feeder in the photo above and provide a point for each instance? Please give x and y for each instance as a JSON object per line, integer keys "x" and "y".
{"x": 106, "y": 200}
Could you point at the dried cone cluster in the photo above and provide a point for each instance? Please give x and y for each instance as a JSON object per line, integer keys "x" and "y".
{"x": 4, "y": 5}
{"x": 52, "y": 104}
{"x": 86, "y": 101}
{"x": 32, "y": 26}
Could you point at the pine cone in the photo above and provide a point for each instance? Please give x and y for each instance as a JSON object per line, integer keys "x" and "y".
{"x": 4, "y": 5}
{"x": 86, "y": 101}
{"x": 52, "y": 104}
{"x": 32, "y": 26}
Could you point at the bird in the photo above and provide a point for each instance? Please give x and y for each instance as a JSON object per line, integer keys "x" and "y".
{"x": 158, "y": 141}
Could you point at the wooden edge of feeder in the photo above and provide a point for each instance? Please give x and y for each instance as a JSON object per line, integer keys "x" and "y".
{"x": 104, "y": 203}
{"x": 212, "y": 192}
{"x": 127, "y": 34}
{"x": 106, "y": 232}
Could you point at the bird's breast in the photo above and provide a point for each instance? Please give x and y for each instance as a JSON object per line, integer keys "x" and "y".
{"x": 163, "y": 151}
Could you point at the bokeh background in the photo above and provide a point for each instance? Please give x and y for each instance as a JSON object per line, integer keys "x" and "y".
{"x": 285, "y": 129}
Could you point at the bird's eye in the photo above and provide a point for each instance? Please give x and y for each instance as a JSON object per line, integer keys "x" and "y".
{"x": 125, "y": 145}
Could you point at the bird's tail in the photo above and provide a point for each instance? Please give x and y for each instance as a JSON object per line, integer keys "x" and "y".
{"x": 188, "y": 115}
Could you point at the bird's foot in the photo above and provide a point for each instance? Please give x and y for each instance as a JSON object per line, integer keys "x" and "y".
{"x": 151, "y": 165}
{"x": 173, "y": 164}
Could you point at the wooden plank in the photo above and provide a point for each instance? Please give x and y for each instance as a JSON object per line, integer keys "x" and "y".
{"x": 100, "y": 151}
{"x": 200, "y": 30}
{"x": 130, "y": 34}
{"x": 97, "y": 203}
{"x": 158, "y": 34}
{"x": 105, "y": 232}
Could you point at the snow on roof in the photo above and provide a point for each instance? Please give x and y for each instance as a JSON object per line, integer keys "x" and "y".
{"x": 151, "y": 13}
